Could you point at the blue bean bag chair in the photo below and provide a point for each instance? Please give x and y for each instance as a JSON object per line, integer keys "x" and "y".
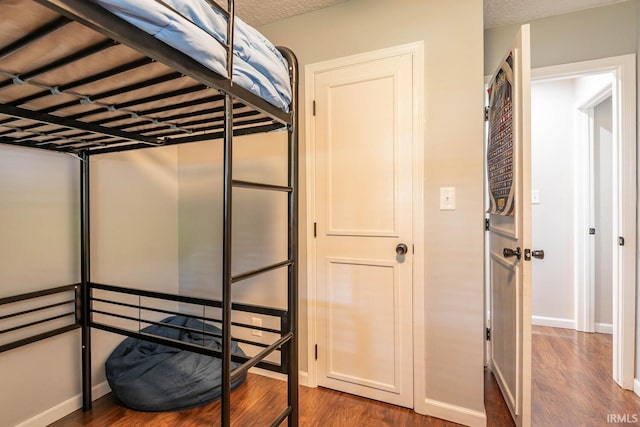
{"x": 151, "y": 377}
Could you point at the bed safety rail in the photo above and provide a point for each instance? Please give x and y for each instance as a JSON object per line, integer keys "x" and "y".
{"x": 128, "y": 311}
{"x": 34, "y": 316}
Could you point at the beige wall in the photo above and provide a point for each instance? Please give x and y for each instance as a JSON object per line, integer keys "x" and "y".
{"x": 259, "y": 218}
{"x": 134, "y": 243}
{"x": 134, "y": 229}
{"x": 259, "y": 224}
{"x": 38, "y": 225}
{"x": 453, "y": 87}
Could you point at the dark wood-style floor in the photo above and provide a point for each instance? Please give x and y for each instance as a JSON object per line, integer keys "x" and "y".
{"x": 572, "y": 386}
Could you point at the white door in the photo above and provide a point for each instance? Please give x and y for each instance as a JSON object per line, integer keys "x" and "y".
{"x": 509, "y": 172}
{"x": 363, "y": 136}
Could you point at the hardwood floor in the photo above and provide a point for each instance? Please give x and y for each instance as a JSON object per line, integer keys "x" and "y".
{"x": 257, "y": 403}
{"x": 572, "y": 382}
{"x": 572, "y": 386}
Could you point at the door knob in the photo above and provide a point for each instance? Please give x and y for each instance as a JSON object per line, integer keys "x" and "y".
{"x": 528, "y": 253}
{"x": 401, "y": 249}
{"x": 508, "y": 253}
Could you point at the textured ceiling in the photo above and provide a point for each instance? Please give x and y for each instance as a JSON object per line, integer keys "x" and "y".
{"x": 502, "y": 12}
{"x": 496, "y": 12}
{"x": 260, "y": 12}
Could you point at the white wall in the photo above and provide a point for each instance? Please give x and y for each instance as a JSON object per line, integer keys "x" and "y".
{"x": 134, "y": 243}
{"x": 452, "y": 33}
{"x": 553, "y": 175}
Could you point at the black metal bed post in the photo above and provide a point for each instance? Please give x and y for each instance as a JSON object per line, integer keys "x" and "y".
{"x": 85, "y": 272}
{"x": 225, "y": 414}
{"x": 292, "y": 303}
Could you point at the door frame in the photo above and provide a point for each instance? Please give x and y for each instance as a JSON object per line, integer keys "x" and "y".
{"x": 623, "y": 69}
{"x": 416, "y": 50}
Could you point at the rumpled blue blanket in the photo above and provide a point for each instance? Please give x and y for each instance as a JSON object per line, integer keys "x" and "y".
{"x": 193, "y": 26}
{"x": 151, "y": 377}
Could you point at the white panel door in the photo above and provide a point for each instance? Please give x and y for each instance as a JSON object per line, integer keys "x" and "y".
{"x": 510, "y": 229}
{"x": 363, "y": 134}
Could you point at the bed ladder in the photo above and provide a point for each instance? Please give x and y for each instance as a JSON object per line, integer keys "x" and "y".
{"x": 289, "y": 339}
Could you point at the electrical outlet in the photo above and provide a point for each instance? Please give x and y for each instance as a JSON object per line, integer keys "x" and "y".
{"x": 256, "y": 321}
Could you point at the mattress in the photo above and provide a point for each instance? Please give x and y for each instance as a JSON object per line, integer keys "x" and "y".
{"x": 197, "y": 29}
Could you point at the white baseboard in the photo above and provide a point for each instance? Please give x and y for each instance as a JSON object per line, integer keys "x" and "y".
{"x": 65, "y": 408}
{"x": 303, "y": 377}
{"x": 553, "y": 322}
{"x": 456, "y": 414}
{"x": 268, "y": 374}
{"x": 636, "y": 386}
{"x": 604, "y": 328}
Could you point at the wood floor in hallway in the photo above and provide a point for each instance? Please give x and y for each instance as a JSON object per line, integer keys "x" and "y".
{"x": 572, "y": 386}
{"x": 572, "y": 382}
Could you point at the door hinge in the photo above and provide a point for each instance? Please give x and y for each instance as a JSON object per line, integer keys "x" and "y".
{"x": 486, "y": 114}
{"x": 316, "y": 352}
{"x": 315, "y": 229}
{"x": 487, "y": 223}
{"x": 314, "y": 107}
{"x": 621, "y": 241}
{"x": 488, "y": 334}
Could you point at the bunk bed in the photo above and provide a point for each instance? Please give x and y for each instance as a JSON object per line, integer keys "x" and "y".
{"x": 87, "y": 78}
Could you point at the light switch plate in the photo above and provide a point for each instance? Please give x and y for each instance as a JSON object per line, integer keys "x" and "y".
{"x": 535, "y": 197}
{"x": 447, "y": 198}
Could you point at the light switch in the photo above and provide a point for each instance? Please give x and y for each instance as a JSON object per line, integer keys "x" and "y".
{"x": 447, "y": 198}
{"x": 535, "y": 197}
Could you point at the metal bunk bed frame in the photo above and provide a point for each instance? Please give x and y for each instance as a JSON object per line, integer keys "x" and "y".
{"x": 262, "y": 118}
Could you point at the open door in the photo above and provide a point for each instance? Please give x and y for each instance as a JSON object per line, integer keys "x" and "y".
{"x": 510, "y": 254}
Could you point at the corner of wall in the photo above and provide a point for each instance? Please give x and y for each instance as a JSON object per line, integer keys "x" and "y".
{"x": 455, "y": 414}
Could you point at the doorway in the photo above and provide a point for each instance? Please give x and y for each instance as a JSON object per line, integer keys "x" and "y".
{"x": 583, "y": 202}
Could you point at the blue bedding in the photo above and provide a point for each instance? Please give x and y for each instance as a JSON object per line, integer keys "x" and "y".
{"x": 193, "y": 26}
{"x": 153, "y": 377}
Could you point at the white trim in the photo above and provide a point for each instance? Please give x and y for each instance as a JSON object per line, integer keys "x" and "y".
{"x": 456, "y": 414}
{"x": 553, "y": 322}
{"x": 624, "y": 107}
{"x": 303, "y": 377}
{"x": 268, "y": 374}
{"x": 65, "y": 408}
{"x": 604, "y": 328}
{"x": 416, "y": 50}
{"x": 636, "y": 386}
{"x": 584, "y": 215}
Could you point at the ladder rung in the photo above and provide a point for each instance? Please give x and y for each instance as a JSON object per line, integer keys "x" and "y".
{"x": 258, "y": 271}
{"x": 259, "y": 186}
